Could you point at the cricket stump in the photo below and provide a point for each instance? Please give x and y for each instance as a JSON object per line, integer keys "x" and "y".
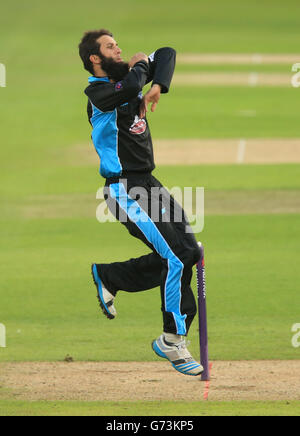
{"x": 202, "y": 315}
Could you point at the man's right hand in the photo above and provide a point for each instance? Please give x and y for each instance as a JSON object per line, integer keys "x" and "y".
{"x": 137, "y": 58}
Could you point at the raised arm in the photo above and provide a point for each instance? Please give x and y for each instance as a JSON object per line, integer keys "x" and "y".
{"x": 161, "y": 69}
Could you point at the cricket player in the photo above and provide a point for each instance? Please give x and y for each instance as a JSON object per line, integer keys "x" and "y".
{"x": 121, "y": 136}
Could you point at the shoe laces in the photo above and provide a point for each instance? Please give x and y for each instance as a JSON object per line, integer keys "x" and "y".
{"x": 182, "y": 347}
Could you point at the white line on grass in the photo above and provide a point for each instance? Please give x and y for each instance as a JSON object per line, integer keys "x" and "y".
{"x": 241, "y": 151}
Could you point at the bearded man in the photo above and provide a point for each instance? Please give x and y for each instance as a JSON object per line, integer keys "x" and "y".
{"x": 121, "y": 136}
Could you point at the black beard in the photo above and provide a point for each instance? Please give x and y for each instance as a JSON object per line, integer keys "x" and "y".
{"x": 114, "y": 70}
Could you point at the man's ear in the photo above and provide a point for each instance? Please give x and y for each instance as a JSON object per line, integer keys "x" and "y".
{"x": 95, "y": 59}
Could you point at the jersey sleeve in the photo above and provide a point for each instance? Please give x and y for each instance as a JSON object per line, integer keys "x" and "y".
{"x": 107, "y": 96}
{"x": 161, "y": 67}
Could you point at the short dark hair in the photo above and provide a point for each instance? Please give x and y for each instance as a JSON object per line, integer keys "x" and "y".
{"x": 89, "y": 46}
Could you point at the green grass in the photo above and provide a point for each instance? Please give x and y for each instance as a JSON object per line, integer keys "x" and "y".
{"x": 162, "y": 408}
{"x": 218, "y": 113}
{"x": 229, "y": 177}
{"x": 49, "y": 308}
{"x": 212, "y": 113}
{"x": 45, "y": 78}
{"x": 234, "y": 68}
{"x": 48, "y": 303}
{"x": 257, "y": 26}
{"x": 69, "y": 181}
{"x": 47, "y": 299}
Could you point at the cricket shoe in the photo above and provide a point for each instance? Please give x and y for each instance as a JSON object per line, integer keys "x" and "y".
{"x": 106, "y": 299}
{"x": 178, "y": 355}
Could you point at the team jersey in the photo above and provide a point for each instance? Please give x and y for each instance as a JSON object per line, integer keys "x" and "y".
{"x": 122, "y": 139}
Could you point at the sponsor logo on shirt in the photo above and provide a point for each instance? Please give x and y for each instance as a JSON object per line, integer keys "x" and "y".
{"x": 138, "y": 127}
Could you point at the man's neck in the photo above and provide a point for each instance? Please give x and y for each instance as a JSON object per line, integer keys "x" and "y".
{"x": 98, "y": 72}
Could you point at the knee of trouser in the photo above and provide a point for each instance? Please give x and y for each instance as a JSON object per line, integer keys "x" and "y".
{"x": 192, "y": 309}
{"x": 197, "y": 254}
{"x": 192, "y": 256}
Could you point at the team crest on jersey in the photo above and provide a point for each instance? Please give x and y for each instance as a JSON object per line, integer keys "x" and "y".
{"x": 138, "y": 127}
{"x": 118, "y": 86}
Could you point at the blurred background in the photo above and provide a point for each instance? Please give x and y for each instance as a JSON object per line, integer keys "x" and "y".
{"x": 230, "y": 124}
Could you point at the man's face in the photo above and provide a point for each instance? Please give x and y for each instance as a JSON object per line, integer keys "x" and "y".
{"x": 109, "y": 48}
{"x": 110, "y": 56}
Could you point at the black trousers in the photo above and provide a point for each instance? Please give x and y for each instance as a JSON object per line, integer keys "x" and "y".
{"x": 149, "y": 213}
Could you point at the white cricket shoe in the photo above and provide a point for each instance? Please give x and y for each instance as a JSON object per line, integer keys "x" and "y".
{"x": 178, "y": 355}
{"x": 106, "y": 299}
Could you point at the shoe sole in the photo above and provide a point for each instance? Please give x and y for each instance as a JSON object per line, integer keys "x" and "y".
{"x": 183, "y": 368}
{"x": 98, "y": 285}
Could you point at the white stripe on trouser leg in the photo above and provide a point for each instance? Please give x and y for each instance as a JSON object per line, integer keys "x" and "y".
{"x": 170, "y": 296}
{"x": 153, "y": 235}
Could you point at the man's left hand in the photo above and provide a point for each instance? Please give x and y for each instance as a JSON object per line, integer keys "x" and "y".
{"x": 152, "y": 96}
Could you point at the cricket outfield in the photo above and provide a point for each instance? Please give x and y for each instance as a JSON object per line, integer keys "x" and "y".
{"x": 58, "y": 345}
